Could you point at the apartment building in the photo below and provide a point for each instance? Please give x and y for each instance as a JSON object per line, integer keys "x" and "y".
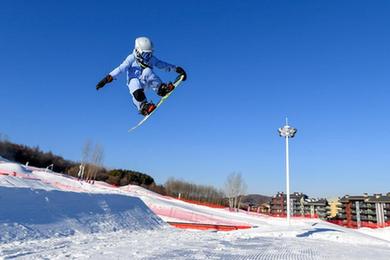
{"x": 365, "y": 211}
{"x": 301, "y": 206}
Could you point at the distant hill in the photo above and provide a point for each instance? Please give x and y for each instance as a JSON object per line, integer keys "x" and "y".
{"x": 255, "y": 199}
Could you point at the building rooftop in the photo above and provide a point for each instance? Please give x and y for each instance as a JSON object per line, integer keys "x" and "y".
{"x": 366, "y": 198}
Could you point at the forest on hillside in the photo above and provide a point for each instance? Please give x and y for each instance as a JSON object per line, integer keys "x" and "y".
{"x": 34, "y": 156}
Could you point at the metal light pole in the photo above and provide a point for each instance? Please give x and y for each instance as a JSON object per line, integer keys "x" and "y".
{"x": 287, "y": 132}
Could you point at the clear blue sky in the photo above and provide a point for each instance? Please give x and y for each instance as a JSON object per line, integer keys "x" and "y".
{"x": 324, "y": 64}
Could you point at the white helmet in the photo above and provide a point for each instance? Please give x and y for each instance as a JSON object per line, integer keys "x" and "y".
{"x": 143, "y": 48}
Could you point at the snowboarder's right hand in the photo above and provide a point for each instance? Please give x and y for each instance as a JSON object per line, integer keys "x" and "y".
{"x": 181, "y": 71}
{"x": 107, "y": 79}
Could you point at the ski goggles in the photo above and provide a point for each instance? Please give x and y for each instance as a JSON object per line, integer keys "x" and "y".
{"x": 146, "y": 55}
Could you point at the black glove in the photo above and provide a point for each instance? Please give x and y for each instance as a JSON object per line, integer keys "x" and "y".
{"x": 181, "y": 72}
{"x": 107, "y": 79}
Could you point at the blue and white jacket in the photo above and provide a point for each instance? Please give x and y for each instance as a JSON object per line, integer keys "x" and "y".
{"x": 134, "y": 69}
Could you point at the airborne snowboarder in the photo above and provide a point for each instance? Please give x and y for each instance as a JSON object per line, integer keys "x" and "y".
{"x": 140, "y": 75}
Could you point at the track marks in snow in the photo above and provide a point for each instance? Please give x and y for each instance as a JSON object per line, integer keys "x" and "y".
{"x": 284, "y": 249}
{"x": 170, "y": 243}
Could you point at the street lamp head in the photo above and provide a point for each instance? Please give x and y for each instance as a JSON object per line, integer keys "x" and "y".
{"x": 287, "y": 131}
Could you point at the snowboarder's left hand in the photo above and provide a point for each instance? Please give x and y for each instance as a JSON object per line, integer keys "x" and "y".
{"x": 181, "y": 71}
{"x": 107, "y": 79}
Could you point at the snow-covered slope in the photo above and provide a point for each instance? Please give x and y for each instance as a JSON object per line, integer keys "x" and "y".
{"x": 39, "y": 204}
{"x": 49, "y": 215}
{"x": 29, "y": 214}
{"x": 383, "y": 233}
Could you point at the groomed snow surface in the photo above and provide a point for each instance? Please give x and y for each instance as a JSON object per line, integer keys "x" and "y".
{"x": 46, "y": 215}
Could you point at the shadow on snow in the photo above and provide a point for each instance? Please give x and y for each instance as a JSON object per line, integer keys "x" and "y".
{"x": 317, "y": 230}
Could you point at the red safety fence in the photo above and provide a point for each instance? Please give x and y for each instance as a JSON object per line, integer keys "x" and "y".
{"x": 2, "y": 172}
{"x": 181, "y": 214}
{"x": 294, "y": 216}
{"x": 354, "y": 224}
{"x": 207, "y": 204}
{"x": 65, "y": 187}
{"x": 199, "y": 226}
{"x": 20, "y": 175}
{"x": 337, "y": 222}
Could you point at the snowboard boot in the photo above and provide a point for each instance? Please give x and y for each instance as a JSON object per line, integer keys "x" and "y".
{"x": 164, "y": 89}
{"x": 147, "y": 108}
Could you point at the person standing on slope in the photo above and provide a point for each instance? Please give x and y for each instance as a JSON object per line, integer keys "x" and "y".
{"x": 140, "y": 75}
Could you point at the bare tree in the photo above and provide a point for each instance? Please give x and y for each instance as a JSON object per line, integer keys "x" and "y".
{"x": 92, "y": 161}
{"x": 3, "y": 140}
{"x": 86, "y": 154}
{"x": 235, "y": 187}
{"x": 86, "y": 151}
{"x": 243, "y": 191}
{"x": 97, "y": 160}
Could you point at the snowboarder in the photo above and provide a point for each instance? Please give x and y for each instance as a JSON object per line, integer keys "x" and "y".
{"x": 140, "y": 75}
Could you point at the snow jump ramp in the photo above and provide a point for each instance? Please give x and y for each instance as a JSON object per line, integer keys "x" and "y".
{"x": 27, "y": 213}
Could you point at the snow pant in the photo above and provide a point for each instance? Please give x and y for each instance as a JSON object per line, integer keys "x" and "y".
{"x": 148, "y": 79}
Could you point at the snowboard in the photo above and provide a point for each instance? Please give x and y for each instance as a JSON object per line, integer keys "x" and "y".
{"x": 176, "y": 83}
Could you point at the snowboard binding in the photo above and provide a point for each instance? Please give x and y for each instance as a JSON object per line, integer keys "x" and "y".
{"x": 164, "y": 89}
{"x": 147, "y": 108}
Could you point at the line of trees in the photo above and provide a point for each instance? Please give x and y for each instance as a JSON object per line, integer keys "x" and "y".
{"x": 191, "y": 191}
{"x": 232, "y": 195}
{"x": 92, "y": 160}
{"x": 124, "y": 177}
{"x": 33, "y": 156}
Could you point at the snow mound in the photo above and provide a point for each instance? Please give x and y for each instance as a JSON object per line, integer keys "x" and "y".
{"x": 26, "y": 213}
{"x": 10, "y": 167}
